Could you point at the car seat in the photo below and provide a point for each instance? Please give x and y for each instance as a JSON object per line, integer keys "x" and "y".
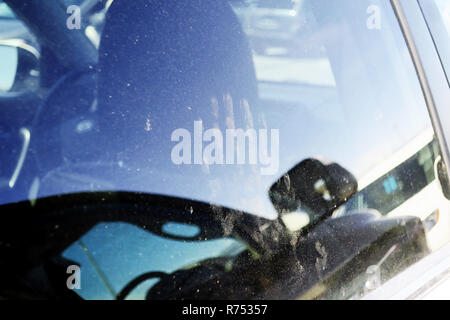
{"x": 162, "y": 64}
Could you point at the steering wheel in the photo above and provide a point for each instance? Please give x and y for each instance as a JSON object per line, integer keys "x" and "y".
{"x": 70, "y": 98}
{"x": 71, "y": 78}
{"x": 138, "y": 280}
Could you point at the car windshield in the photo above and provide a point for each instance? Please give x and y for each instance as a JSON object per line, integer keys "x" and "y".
{"x": 211, "y": 121}
{"x": 283, "y": 118}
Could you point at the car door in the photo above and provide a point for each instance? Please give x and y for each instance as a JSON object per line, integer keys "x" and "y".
{"x": 361, "y": 90}
{"x": 426, "y": 25}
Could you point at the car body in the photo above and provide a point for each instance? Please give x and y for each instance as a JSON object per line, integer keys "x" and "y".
{"x": 119, "y": 162}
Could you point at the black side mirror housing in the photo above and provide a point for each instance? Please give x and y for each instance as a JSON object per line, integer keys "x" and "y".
{"x": 25, "y": 76}
{"x": 313, "y": 186}
{"x": 442, "y": 175}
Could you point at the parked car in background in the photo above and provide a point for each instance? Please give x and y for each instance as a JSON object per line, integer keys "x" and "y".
{"x": 275, "y": 27}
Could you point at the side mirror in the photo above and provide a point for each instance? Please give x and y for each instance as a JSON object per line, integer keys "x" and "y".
{"x": 313, "y": 187}
{"x": 9, "y": 59}
{"x": 19, "y": 63}
{"x": 441, "y": 172}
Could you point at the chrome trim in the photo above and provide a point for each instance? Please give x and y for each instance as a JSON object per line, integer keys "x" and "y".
{"x": 25, "y": 133}
{"x": 416, "y": 281}
{"x": 19, "y": 43}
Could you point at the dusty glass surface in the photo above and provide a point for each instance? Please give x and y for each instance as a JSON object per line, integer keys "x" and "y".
{"x": 304, "y": 117}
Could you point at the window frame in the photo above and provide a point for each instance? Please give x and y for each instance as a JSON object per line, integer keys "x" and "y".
{"x": 422, "y": 278}
{"x": 429, "y": 68}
